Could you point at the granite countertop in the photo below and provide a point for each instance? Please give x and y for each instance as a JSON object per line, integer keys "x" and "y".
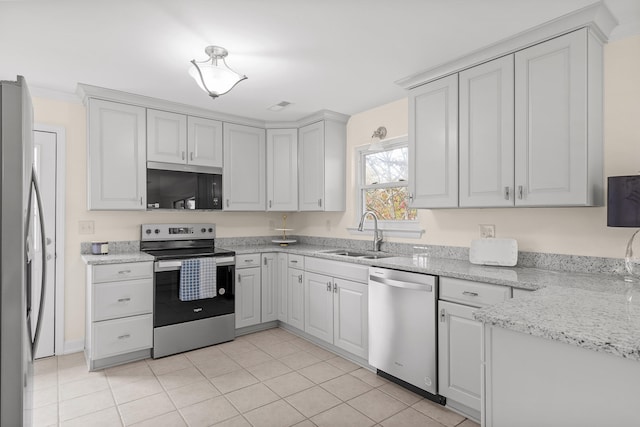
{"x": 116, "y": 258}
{"x": 600, "y": 312}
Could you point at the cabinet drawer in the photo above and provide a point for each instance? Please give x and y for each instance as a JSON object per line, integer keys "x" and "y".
{"x": 296, "y": 261}
{"x": 345, "y": 270}
{"x": 119, "y": 336}
{"x": 124, "y": 271}
{"x": 247, "y": 260}
{"x": 472, "y": 293}
{"x": 120, "y": 299}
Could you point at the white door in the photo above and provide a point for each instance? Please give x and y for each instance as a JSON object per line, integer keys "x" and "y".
{"x": 551, "y": 149}
{"x": 295, "y": 298}
{"x": 282, "y": 170}
{"x": 351, "y": 318}
{"x": 318, "y": 306}
{"x": 204, "y": 140}
{"x": 433, "y": 144}
{"x": 44, "y": 159}
{"x": 244, "y": 168}
{"x": 486, "y": 134}
{"x": 311, "y": 162}
{"x": 459, "y": 354}
{"x": 166, "y": 137}
{"x": 247, "y": 297}
{"x": 269, "y": 285}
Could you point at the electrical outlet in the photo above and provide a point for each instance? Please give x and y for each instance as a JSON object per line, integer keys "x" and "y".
{"x": 487, "y": 230}
{"x": 86, "y": 227}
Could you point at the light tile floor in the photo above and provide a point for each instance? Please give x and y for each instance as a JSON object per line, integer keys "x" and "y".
{"x": 270, "y": 378}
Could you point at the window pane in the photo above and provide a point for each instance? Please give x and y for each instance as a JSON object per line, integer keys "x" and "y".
{"x": 389, "y": 203}
{"x": 386, "y": 166}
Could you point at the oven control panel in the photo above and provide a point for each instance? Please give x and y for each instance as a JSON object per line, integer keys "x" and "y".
{"x": 177, "y": 231}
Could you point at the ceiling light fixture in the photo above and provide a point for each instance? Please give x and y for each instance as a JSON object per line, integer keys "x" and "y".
{"x": 215, "y": 77}
{"x": 378, "y": 135}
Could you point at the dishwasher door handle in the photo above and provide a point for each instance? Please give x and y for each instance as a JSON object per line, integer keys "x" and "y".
{"x": 404, "y": 285}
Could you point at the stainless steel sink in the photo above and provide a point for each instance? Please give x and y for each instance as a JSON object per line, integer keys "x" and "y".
{"x": 363, "y": 255}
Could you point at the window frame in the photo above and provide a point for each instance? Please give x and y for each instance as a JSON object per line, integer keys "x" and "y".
{"x": 393, "y": 228}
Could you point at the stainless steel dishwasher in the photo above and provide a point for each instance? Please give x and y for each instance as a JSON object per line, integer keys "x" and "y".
{"x": 402, "y": 329}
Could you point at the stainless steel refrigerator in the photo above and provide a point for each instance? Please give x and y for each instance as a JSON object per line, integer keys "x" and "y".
{"x": 19, "y": 196}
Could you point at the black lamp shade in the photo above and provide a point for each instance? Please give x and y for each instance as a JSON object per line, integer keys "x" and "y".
{"x": 623, "y": 201}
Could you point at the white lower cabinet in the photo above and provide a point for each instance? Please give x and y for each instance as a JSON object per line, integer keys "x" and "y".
{"x": 269, "y": 287}
{"x": 336, "y": 309}
{"x": 119, "y": 320}
{"x": 248, "y": 290}
{"x": 460, "y": 339}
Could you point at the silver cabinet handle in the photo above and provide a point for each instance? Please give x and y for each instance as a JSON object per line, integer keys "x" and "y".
{"x": 335, "y": 288}
{"x": 269, "y": 204}
{"x": 183, "y": 155}
{"x": 328, "y": 286}
{"x": 124, "y": 271}
{"x": 191, "y": 155}
{"x": 293, "y": 261}
{"x": 442, "y": 315}
{"x": 507, "y": 193}
{"x": 265, "y": 261}
{"x": 127, "y": 299}
{"x": 248, "y": 260}
{"x": 319, "y": 202}
{"x": 124, "y": 337}
{"x": 300, "y": 278}
{"x": 227, "y": 202}
{"x": 470, "y": 294}
{"x": 239, "y": 278}
{"x": 520, "y": 191}
{"x": 140, "y": 201}
{"x": 410, "y": 197}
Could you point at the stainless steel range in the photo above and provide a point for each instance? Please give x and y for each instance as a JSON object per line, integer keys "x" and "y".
{"x": 193, "y": 287}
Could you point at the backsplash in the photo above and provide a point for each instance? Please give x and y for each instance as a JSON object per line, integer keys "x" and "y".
{"x": 560, "y": 262}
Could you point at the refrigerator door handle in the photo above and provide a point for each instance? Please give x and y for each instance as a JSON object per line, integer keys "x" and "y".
{"x": 36, "y": 336}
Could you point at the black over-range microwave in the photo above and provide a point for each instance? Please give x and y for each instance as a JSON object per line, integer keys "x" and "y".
{"x": 183, "y": 187}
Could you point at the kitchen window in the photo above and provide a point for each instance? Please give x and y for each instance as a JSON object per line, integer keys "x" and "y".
{"x": 383, "y": 176}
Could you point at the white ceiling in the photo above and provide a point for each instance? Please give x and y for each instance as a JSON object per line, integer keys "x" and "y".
{"x": 341, "y": 55}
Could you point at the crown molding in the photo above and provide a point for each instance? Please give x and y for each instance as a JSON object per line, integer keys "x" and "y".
{"x": 596, "y": 17}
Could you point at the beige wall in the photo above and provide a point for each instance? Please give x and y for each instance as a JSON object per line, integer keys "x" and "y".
{"x": 580, "y": 231}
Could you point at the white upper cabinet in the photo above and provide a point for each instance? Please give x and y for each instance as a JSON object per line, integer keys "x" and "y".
{"x": 558, "y": 116}
{"x": 116, "y": 156}
{"x": 204, "y": 140}
{"x": 282, "y": 169}
{"x": 322, "y": 166}
{"x": 166, "y": 137}
{"x": 244, "y": 168}
{"x": 486, "y": 134}
{"x": 180, "y": 139}
{"x": 433, "y": 144}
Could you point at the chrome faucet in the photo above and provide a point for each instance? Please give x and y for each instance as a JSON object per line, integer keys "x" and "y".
{"x": 377, "y": 234}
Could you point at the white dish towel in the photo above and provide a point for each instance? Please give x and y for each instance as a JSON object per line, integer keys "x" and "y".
{"x": 197, "y": 279}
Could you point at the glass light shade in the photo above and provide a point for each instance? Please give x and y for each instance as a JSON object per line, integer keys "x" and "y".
{"x": 218, "y": 79}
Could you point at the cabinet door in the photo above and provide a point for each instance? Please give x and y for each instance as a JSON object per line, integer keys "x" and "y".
{"x": 486, "y": 134}
{"x": 295, "y": 298}
{"x": 282, "y": 266}
{"x": 318, "y": 306}
{"x": 282, "y": 170}
{"x": 433, "y": 144}
{"x": 247, "y": 297}
{"x": 244, "y": 168}
{"x": 269, "y": 286}
{"x": 166, "y": 137}
{"x": 204, "y": 137}
{"x": 117, "y": 166}
{"x": 350, "y": 317}
{"x": 551, "y": 122}
{"x": 459, "y": 354}
{"x": 311, "y": 163}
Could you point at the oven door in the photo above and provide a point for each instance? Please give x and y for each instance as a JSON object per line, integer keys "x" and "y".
{"x": 169, "y": 309}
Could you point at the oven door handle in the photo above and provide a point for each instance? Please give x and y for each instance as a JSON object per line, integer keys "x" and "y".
{"x": 167, "y": 266}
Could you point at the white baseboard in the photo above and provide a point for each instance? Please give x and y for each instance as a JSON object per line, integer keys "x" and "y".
{"x": 73, "y": 346}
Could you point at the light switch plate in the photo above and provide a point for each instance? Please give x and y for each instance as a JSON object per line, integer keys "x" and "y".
{"x": 86, "y": 227}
